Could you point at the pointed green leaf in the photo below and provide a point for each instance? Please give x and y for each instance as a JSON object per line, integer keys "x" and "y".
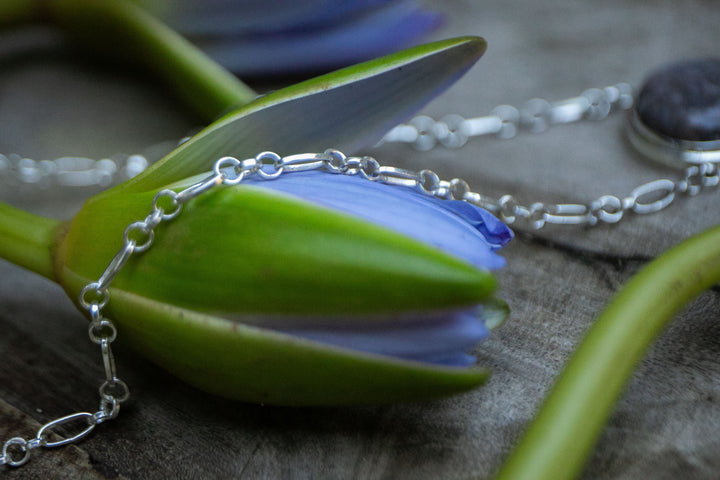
{"x": 347, "y": 109}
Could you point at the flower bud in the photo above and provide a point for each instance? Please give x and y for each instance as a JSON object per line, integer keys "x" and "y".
{"x": 247, "y": 291}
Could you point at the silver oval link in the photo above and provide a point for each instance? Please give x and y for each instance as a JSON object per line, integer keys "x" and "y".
{"x": 398, "y": 177}
{"x": 664, "y": 186}
{"x": 41, "y": 436}
{"x": 568, "y": 214}
{"x": 302, "y": 162}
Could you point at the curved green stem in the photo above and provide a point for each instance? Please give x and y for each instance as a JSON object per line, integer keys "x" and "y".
{"x": 127, "y": 31}
{"x": 566, "y": 429}
{"x": 27, "y": 239}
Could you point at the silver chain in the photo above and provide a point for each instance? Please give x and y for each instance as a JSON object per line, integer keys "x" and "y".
{"x": 71, "y": 171}
{"x": 505, "y": 121}
{"x": 452, "y": 131}
{"x": 538, "y": 115}
{"x": 167, "y": 205}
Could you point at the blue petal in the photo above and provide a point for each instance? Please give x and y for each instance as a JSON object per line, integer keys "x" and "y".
{"x": 363, "y": 37}
{"x": 444, "y": 339}
{"x": 495, "y": 232}
{"x": 460, "y": 229}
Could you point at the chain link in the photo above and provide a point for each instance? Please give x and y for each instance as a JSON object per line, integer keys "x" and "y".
{"x": 505, "y": 121}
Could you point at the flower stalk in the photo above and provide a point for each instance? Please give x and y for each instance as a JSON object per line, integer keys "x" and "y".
{"x": 120, "y": 28}
{"x": 566, "y": 429}
{"x": 25, "y": 239}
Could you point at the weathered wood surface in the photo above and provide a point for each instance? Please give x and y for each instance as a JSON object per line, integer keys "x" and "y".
{"x": 666, "y": 426}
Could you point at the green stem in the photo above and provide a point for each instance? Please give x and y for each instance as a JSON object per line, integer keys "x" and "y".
{"x": 26, "y": 240}
{"x": 128, "y": 31}
{"x": 566, "y": 429}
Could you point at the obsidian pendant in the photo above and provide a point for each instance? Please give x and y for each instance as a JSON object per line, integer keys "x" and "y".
{"x": 676, "y": 118}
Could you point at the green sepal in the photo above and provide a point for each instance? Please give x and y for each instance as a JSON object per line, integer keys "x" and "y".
{"x": 195, "y": 302}
{"x": 249, "y": 250}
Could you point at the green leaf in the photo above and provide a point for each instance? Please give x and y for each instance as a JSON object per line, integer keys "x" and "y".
{"x": 347, "y": 109}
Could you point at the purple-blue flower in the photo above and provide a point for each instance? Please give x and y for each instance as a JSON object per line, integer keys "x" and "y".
{"x": 461, "y": 229}
{"x": 252, "y": 37}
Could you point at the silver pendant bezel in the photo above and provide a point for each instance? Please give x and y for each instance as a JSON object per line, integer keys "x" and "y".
{"x": 672, "y": 152}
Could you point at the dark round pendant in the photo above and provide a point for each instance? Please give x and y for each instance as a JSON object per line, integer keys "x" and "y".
{"x": 676, "y": 118}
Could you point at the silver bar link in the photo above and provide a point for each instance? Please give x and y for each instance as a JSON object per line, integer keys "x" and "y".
{"x": 505, "y": 121}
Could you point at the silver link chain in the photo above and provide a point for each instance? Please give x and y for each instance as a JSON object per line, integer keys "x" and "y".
{"x": 139, "y": 236}
{"x": 506, "y": 121}
{"x": 94, "y": 296}
{"x": 424, "y": 133}
{"x": 71, "y": 171}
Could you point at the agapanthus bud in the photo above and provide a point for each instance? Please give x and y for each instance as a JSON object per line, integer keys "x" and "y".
{"x": 280, "y": 292}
